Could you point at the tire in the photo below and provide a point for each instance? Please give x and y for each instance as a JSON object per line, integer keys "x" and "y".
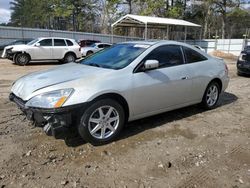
{"x": 89, "y": 53}
{"x": 70, "y": 57}
{"x": 96, "y": 125}
{"x": 21, "y": 59}
{"x": 239, "y": 73}
{"x": 211, "y": 96}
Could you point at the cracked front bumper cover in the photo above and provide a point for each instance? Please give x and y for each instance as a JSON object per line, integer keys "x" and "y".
{"x": 57, "y": 122}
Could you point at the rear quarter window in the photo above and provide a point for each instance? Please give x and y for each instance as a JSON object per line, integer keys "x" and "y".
{"x": 69, "y": 43}
{"x": 193, "y": 56}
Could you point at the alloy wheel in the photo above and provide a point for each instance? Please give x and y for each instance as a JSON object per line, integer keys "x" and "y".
{"x": 212, "y": 95}
{"x": 23, "y": 59}
{"x": 103, "y": 122}
{"x": 70, "y": 58}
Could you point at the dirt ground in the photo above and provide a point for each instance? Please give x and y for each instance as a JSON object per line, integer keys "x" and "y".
{"x": 189, "y": 147}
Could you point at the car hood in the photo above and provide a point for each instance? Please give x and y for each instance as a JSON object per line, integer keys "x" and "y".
{"x": 30, "y": 83}
{"x": 17, "y": 46}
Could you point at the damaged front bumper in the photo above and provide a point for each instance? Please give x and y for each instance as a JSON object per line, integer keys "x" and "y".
{"x": 8, "y": 54}
{"x": 57, "y": 122}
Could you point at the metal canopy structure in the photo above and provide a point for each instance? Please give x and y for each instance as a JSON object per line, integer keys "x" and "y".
{"x": 146, "y": 22}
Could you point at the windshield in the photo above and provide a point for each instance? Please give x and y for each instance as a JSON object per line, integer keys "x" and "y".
{"x": 116, "y": 57}
{"x": 33, "y": 42}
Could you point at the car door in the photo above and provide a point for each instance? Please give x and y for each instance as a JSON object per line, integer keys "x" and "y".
{"x": 199, "y": 72}
{"x": 59, "y": 49}
{"x": 164, "y": 87}
{"x": 42, "y": 51}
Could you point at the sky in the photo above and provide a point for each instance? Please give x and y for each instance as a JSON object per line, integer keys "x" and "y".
{"x": 4, "y": 11}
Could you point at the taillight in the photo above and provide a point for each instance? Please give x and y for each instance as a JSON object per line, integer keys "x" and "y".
{"x": 79, "y": 49}
{"x": 243, "y": 57}
{"x": 226, "y": 68}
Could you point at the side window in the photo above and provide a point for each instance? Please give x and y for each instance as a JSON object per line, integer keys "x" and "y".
{"x": 46, "y": 42}
{"x": 100, "y": 46}
{"x": 168, "y": 55}
{"x": 193, "y": 56}
{"x": 59, "y": 42}
{"x": 106, "y": 45}
{"x": 69, "y": 43}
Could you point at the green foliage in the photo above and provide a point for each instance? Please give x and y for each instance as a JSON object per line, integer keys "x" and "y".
{"x": 225, "y": 16}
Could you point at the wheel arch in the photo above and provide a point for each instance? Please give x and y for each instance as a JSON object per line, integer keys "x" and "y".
{"x": 22, "y": 52}
{"x": 117, "y": 97}
{"x": 217, "y": 80}
{"x": 69, "y": 52}
{"x": 89, "y": 51}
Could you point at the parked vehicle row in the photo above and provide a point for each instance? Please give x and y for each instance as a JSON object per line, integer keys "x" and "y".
{"x": 95, "y": 47}
{"x": 243, "y": 63}
{"x": 65, "y": 50}
{"x": 125, "y": 82}
{"x": 49, "y": 48}
{"x": 85, "y": 43}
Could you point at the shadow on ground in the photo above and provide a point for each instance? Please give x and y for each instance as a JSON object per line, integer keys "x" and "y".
{"x": 45, "y": 63}
{"x": 144, "y": 124}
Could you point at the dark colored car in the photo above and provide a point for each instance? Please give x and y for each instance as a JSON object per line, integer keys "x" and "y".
{"x": 84, "y": 43}
{"x": 15, "y": 42}
{"x": 243, "y": 64}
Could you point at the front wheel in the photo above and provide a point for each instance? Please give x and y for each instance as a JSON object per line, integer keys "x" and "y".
{"x": 89, "y": 53}
{"x": 21, "y": 59}
{"x": 102, "y": 122}
{"x": 211, "y": 96}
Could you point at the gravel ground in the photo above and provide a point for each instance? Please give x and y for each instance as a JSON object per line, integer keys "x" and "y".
{"x": 183, "y": 148}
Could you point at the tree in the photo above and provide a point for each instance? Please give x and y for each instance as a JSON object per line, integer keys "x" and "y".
{"x": 30, "y": 13}
{"x": 221, "y": 7}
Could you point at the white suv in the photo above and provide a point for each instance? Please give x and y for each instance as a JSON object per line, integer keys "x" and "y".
{"x": 49, "y": 48}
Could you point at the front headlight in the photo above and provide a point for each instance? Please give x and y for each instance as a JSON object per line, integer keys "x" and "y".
{"x": 53, "y": 99}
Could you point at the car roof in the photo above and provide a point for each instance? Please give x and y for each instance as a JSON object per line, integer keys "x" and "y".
{"x": 54, "y": 38}
{"x": 154, "y": 42}
{"x": 97, "y": 43}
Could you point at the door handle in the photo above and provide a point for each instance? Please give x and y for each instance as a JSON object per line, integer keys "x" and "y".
{"x": 184, "y": 78}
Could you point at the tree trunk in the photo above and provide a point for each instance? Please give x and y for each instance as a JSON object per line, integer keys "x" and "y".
{"x": 223, "y": 25}
{"x": 224, "y": 17}
{"x": 206, "y": 20}
{"x": 130, "y": 6}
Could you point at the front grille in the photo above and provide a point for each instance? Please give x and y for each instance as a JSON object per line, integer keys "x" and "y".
{"x": 248, "y": 57}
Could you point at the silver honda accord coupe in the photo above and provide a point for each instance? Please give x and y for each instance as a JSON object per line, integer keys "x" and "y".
{"x": 128, "y": 81}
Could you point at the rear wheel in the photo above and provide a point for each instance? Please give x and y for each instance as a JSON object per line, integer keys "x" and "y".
{"x": 89, "y": 53}
{"x": 211, "y": 96}
{"x": 69, "y": 58}
{"x": 21, "y": 59}
{"x": 102, "y": 122}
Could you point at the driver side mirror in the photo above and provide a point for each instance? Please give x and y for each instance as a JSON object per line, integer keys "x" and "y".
{"x": 151, "y": 64}
{"x": 37, "y": 44}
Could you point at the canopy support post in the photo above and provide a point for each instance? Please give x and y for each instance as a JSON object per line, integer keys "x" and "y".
{"x": 168, "y": 32}
{"x": 185, "y": 34}
{"x": 112, "y": 34}
{"x": 146, "y": 31}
